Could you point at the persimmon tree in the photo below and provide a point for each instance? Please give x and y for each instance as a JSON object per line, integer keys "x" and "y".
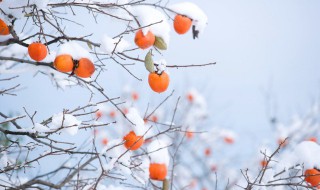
{"x": 118, "y": 142}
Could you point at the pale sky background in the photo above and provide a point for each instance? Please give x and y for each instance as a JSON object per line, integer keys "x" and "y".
{"x": 259, "y": 46}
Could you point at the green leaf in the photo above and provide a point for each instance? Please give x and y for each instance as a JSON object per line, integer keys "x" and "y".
{"x": 89, "y": 45}
{"x": 160, "y": 43}
{"x": 148, "y": 62}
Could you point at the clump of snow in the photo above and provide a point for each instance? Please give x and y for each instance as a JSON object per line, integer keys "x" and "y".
{"x": 161, "y": 65}
{"x": 306, "y": 153}
{"x": 139, "y": 127}
{"x": 40, "y": 128}
{"x": 158, "y": 152}
{"x": 199, "y": 18}
{"x": 117, "y": 154}
{"x": 68, "y": 121}
{"x": 147, "y": 15}
{"x": 108, "y": 45}
{"x": 111, "y": 187}
{"x": 41, "y": 5}
{"x": 75, "y": 50}
{"x": 4, "y": 161}
{"x": 142, "y": 171}
{"x": 8, "y": 6}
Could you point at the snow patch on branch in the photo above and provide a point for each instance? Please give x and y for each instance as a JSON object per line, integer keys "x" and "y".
{"x": 68, "y": 121}
{"x": 108, "y": 45}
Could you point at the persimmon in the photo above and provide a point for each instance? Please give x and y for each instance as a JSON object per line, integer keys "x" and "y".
{"x": 85, "y": 68}
{"x": 99, "y": 114}
{"x": 282, "y": 142}
{"x": 112, "y": 114}
{"x": 37, "y": 51}
{"x": 312, "y": 176}
{"x": 159, "y": 83}
{"x": 313, "y": 139}
{"x": 144, "y": 41}
{"x": 104, "y": 141}
{"x": 228, "y": 140}
{"x": 189, "y": 135}
{"x": 154, "y": 118}
{"x": 158, "y": 171}
{"x": 214, "y": 168}
{"x": 63, "y": 63}
{"x": 263, "y": 163}
{"x": 190, "y": 97}
{"x": 125, "y": 110}
{"x": 134, "y": 96}
{"x": 207, "y": 151}
{"x": 4, "y": 29}
{"x": 181, "y": 24}
{"x": 133, "y": 142}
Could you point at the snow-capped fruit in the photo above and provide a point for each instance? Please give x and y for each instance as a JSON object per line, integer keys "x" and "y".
{"x": 158, "y": 171}
{"x": 85, "y": 68}
{"x": 181, "y": 24}
{"x": 312, "y": 176}
{"x": 4, "y": 29}
{"x": 37, "y": 51}
{"x": 144, "y": 41}
{"x": 148, "y": 62}
{"x": 159, "y": 83}
{"x": 63, "y": 63}
{"x": 160, "y": 43}
{"x": 132, "y": 141}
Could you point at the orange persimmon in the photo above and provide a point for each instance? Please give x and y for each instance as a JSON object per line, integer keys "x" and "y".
{"x": 159, "y": 83}
{"x": 144, "y": 41}
{"x": 181, "y": 24}
{"x": 85, "y": 68}
{"x": 4, "y": 29}
{"x": 133, "y": 142}
{"x": 158, "y": 171}
{"x": 37, "y": 51}
{"x": 312, "y": 176}
{"x": 63, "y": 63}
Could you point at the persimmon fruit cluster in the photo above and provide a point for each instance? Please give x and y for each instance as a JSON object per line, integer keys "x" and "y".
{"x": 83, "y": 67}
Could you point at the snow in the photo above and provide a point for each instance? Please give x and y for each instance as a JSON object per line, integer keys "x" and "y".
{"x": 147, "y": 15}
{"x": 41, "y": 4}
{"x": 40, "y": 128}
{"x": 75, "y": 50}
{"x": 142, "y": 172}
{"x": 139, "y": 127}
{"x": 108, "y": 44}
{"x": 305, "y": 153}
{"x": 8, "y": 6}
{"x": 162, "y": 64}
{"x": 66, "y": 121}
{"x": 117, "y": 154}
{"x": 199, "y": 18}
{"x": 4, "y": 161}
{"x": 158, "y": 152}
